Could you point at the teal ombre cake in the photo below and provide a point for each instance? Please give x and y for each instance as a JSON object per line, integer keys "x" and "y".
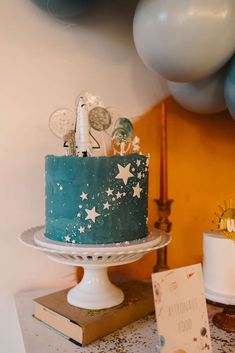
{"x": 95, "y": 200}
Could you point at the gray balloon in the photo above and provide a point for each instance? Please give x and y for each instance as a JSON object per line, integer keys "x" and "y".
{"x": 205, "y": 96}
{"x": 185, "y": 40}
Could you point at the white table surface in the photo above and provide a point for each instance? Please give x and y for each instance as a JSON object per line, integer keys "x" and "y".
{"x": 11, "y": 340}
{"x": 138, "y": 337}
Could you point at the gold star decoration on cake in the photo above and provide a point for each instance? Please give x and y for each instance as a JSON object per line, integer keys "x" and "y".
{"x": 81, "y": 229}
{"x": 124, "y": 173}
{"x": 137, "y": 190}
{"x": 92, "y": 214}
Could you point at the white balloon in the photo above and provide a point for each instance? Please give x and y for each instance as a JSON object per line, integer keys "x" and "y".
{"x": 205, "y": 96}
{"x": 185, "y": 40}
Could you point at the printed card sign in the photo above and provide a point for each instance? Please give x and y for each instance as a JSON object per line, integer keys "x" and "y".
{"x": 181, "y": 310}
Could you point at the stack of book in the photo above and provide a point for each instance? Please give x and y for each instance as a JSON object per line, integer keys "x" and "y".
{"x": 83, "y": 326}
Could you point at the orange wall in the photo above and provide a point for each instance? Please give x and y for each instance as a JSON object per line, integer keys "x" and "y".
{"x": 201, "y": 175}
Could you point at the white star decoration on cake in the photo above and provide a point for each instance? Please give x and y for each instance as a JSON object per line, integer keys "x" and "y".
{"x": 92, "y": 214}
{"x": 106, "y": 206}
{"x": 109, "y": 198}
{"x": 109, "y": 192}
{"x": 83, "y": 196}
{"x": 119, "y": 195}
{"x": 67, "y": 238}
{"x": 137, "y": 190}
{"x": 124, "y": 173}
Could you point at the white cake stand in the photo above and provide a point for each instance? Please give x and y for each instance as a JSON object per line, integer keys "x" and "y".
{"x": 95, "y": 291}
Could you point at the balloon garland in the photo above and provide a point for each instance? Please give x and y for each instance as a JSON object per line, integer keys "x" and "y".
{"x": 189, "y": 43}
{"x": 204, "y": 96}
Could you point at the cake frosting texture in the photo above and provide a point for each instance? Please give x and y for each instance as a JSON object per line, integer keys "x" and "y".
{"x": 219, "y": 267}
{"x": 96, "y": 200}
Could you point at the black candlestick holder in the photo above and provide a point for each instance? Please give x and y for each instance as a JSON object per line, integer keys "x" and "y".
{"x": 225, "y": 320}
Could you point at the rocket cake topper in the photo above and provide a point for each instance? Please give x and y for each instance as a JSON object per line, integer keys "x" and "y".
{"x": 83, "y": 138}
{"x": 88, "y": 127}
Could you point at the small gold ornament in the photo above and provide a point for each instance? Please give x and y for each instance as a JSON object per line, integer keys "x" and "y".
{"x": 70, "y": 143}
{"x": 226, "y": 219}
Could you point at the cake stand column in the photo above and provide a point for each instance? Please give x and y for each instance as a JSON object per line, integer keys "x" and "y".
{"x": 95, "y": 291}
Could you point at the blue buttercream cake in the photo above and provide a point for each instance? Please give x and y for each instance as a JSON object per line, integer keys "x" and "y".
{"x": 96, "y": 200}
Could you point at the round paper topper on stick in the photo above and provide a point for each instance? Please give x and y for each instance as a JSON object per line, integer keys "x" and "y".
{"x": 61, "y": 122}
{"x": 100, "y": 118}
{"x": 123, "y": 130}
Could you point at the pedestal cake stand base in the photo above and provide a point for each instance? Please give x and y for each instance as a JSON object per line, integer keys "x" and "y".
{"x": 95, "y": 291}
{"x": 225, "y": 320}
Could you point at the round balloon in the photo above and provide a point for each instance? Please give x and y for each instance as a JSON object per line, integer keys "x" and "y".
{"x": 64, "y": 8}
{"x": 229, "y": 89}
{"x": 185, "y": 40}
{"x": 204, "y": 96}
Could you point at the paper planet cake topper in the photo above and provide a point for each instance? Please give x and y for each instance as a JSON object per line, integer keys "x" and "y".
{"x": 83, "y": 130}
{"x": 226, "y": 219}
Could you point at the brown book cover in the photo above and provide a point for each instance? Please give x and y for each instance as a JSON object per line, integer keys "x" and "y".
{"x": 83, "y": 325}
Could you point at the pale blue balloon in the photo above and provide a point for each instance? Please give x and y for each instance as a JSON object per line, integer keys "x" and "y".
{"x": 204, "y": 96}
{"x": 64, "y": 8}
{"x": 185, "y": 40}
{"x": 229, "y": 89}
